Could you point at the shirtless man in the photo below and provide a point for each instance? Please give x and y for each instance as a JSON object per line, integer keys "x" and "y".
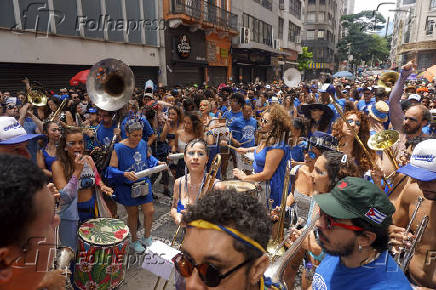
{"x": 422, "y": 168}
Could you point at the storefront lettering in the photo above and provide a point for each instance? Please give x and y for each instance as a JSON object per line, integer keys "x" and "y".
{"x": 184, "y": 46}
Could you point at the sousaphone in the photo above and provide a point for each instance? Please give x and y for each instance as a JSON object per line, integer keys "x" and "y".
{"x": 110, "y": 84}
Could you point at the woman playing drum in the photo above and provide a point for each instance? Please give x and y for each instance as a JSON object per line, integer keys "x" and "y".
{"x": 271, "y": 155}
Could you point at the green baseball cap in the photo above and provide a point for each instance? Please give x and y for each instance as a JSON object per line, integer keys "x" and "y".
{"x": 354, "y": 197}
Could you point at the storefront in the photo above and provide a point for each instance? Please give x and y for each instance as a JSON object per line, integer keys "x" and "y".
{"x": 218, "y": 57}
{"x": 250, "y": 65}
{"x": 186, "y": 56}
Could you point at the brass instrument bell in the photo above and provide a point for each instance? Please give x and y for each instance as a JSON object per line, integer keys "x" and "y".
{"x": 383, "y": 141}
{"x": 387, "y": 80}
{"x": 110, "y": 84}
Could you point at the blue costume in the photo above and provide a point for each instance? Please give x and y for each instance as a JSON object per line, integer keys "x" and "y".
{"x": 276, "y": 182}
{"x": 48, "y": 159}
{"x": 243, "y": 131}
{"x": 131, "y": 159}
{"x": 105, "y": 135}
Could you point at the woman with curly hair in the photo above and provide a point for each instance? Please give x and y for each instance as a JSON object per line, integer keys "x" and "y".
{"x": 272, "y": 153}
{"x": 348, "y": 143}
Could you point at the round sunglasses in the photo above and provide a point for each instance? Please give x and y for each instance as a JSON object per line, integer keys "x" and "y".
{"x": 208, "y": 273}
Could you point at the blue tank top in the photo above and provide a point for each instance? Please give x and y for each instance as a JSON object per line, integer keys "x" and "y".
{"x": 277, "y": 180}
{"x": 48, "y": 160}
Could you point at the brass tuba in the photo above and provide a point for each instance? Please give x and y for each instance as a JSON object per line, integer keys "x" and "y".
{"x": 387, "y": 80}
{"x": 110, "y": 84}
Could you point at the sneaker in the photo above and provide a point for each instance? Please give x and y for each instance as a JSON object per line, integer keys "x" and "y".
{"x": 137, "y": 247}
{"x": 146, "y": 241}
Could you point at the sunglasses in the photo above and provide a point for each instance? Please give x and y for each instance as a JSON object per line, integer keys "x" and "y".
{"x": 11, "y": 107}
{"x": 330, "y": 222}
{"x": 208, "y": 273}
{"x": 351, "y": 121}
{"x": 263, "y": 121}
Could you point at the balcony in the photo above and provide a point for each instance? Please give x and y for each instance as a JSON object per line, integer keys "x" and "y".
{"x": 204, "y": 12}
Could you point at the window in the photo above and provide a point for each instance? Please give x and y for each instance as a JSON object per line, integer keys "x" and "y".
{"x": 295, "y": 8}
{"x": 406, "y": 2}
{"x": 429, "y": 27}
{"x": 320, "y": 34}
{"x": 311, "y": 17}
{"x": 432, "y": 4}
{"x": 282, "y": 4}
{"x": 281, "y": 23}
{"x": 310, "y": 35}
{"x": 321, "y": 17}
{"x": 293, "y": 32}
{"x": 321, "y": 2}
{"x": 312, "y": 2}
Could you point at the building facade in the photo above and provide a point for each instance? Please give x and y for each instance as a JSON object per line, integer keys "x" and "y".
{"x": 404, "y": 20}
{"x": 321, "y": 31}
{"x": 198, "y": 40}
{"x": 49, "y": 41}
{"x": 269, "y": 38}
{"x": 349, "y": 7}
{"x": 415, "y": 36}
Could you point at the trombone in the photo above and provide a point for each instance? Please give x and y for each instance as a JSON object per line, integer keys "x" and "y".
{"x": 275, "y": 246}
{"x": 207, "y": 186}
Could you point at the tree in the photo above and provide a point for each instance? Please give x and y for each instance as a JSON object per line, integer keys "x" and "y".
{"x": 304, "y": 59}
{"x": 358, "y": 42}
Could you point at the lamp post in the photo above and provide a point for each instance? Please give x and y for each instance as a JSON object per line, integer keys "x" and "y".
{"x": 376, "y": 10}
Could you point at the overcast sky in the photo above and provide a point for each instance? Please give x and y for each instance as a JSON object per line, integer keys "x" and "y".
{"x": 360, "y": 5}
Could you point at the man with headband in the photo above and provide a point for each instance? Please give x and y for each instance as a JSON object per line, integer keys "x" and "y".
{"x": 224, "y": 246}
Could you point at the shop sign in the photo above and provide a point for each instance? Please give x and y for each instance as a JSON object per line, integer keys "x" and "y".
{"x": 183, "y": 46}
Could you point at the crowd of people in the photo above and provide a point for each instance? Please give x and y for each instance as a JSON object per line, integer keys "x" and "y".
{"x": 67, "y": 154}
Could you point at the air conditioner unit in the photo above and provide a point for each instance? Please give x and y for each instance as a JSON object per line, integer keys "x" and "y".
{"x": 245, "y": 35}
{"x": 277, "y": 44}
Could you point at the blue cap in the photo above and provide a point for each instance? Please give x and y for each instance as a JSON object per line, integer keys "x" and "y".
{"x": 92, "y": 110}
{"x": 65, "y": 96}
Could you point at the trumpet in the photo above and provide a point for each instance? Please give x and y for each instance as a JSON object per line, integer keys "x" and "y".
{"x": 55, "y": 114}
{"x": 404, "y": 255}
